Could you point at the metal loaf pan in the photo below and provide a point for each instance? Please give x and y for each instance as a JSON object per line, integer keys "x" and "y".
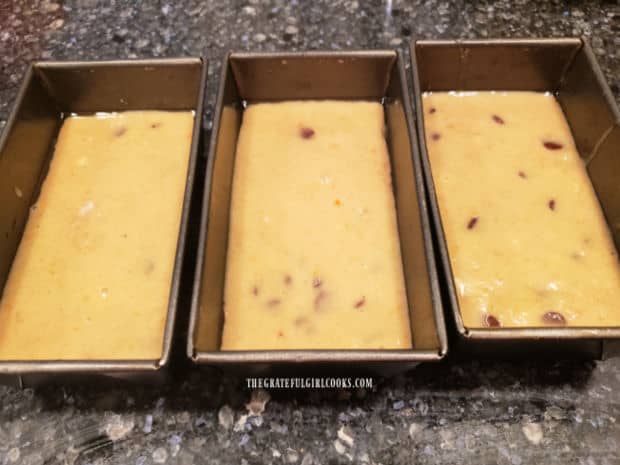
{"x": 369, "y": 75}
{"x": 568, "y": 69}
{"x": 51, "y": 90}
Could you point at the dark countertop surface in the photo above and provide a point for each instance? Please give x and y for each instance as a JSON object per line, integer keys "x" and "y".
{"x": 455, "y": 412}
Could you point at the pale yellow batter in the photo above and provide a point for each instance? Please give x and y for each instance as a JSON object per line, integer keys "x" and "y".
{"x": 314, "y": 257}
{"x": 527, "y": 239}
{"x": 92, "y": 275}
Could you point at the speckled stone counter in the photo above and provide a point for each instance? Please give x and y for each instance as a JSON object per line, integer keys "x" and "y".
{"x": 455, "y": 412}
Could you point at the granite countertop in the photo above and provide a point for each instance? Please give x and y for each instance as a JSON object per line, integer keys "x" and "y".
{"x": 454, "y": 412}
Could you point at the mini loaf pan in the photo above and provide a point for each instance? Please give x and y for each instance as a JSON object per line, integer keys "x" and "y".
{"x": 367, "y": 75}
{"x": 568, "y": 69}
{"x": 50, "y": 91}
